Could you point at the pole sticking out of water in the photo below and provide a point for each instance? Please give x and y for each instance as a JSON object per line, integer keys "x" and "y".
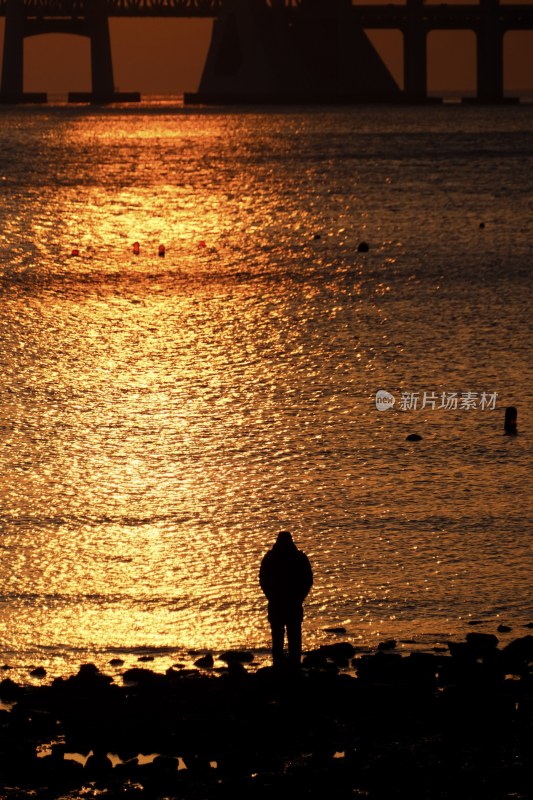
{"x": 510, "y": 421}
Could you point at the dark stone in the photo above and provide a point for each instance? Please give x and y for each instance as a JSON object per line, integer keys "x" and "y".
{"x": 314, "y": 659}
{"x": 475, "y": 622}
{"x": 5, "y": 668}
{"x": 335, "y": 630}
{"x": 38, "y": 672}
{"x": 388, "y": 644}
{"x": 520, "y": 649}
{"x": 528, "y": 625}
{"x": 363, "y": 247}
{"x": 236, "y": 656}
{"x": 205, "y": 662}
{"x": 140, "y": 675}
{"x": 116, "y": 662}
{"x": 503, "y": 629}
{"x": 145, "y": 659}
{"x": 413, "y": 437}
{"x": 9, "y": 690}
{"x": 317, "y": 236}
{"x": 340, "y": 651}
{"x": 482, "y": 640}
{"x": 379, "y": 668}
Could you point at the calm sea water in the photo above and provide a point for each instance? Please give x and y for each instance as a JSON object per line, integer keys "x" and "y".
{"x": 162, "y": 418}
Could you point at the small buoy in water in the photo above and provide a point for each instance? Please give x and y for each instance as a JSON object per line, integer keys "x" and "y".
{"x": 413, "y": 437}
{"x": 481, "y": 225}
{"x": 202, "y": 244}
{"x": 136, "y": 248}
{"x": 510, "y": 421}
{"x": 161, "y": 251}
{"x": 317, "y": 236}
{"x": 75, "y": 252}
{"x": 363, "y": 247}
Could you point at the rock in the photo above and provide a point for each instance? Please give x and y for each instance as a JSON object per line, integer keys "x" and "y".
{"x": 520, "y": 649}
{"x": 388, "y": 644}
{"x": 314, "y": 659}
{"x": 528, "y": 625}
{"x": 335, "y": 630}
{"x": 140, "y": 675}
{"x": 475, "y": 622}
{"x": 503, "y": 629}
{"x": 236, "y": 656}
{"x": 205, "y": 662}
{"x": 363, "y": 247}
{"x": 379, "y": 668}
{"x": 38, "y": 672}
{"x": 413, "y": 437}
{"x": 482, "y": 640}
{"x": 116, "y": 662}
{"x": 145, "y": 659}
{"x": 340, "y": 651}
{"x": 9, "y": 690}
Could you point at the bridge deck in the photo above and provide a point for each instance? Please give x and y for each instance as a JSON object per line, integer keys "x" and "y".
{"x": 510, "y": 17}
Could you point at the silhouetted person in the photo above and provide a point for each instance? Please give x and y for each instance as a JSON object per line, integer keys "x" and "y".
{"x": 286, "y": 578}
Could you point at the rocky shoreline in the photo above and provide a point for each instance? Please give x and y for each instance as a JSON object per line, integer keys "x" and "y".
{"x": 427, "y": 726}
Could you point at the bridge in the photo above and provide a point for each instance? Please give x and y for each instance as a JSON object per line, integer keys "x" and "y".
{"x": 276, "y": 50}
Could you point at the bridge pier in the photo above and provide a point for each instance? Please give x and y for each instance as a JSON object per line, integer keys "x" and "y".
{"x": 93, "y": 24}
{"x": 312, "y": 53}
{"x": 415, "y": 54}
{"x": 490, "y": 55}
{"x": 12, "y": 86}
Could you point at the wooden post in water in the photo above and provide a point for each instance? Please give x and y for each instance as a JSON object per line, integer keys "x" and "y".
{"x": 510, "y": 421}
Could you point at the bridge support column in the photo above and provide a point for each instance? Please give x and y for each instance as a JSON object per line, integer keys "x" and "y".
{"x": 415, "y": 54}
{"x": 12, "y": 85}
{"x": 490, "y": 55}
{"x": 103, "y": 85}
{"x": 13, "y": 61}
{"x": 274, "y": 53}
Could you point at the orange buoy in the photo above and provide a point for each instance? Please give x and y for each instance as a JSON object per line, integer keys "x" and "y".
{"x": 136, "y": 248}
{"x": 75, "y": 252}
{"x": 202, "y": 244}
{"x": 161, "y": 251}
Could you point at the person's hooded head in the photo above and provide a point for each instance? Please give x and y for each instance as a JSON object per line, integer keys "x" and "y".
{"x": 284, "y": 541}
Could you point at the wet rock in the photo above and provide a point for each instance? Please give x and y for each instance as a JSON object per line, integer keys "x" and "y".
{"x": 528, "y": 625}
{"x": 388, "y": 644}
{"x": 482, "y": 640}
{"x": 314, "y": 659}
{"x": 205, "y": 662}
{"x": 5, "y": 668}
{"x": 236, "y": 656}
{"x": 9, "y": 690}
{"x": 338, "y": 652}
{"x": 413, "y": 437}
{"x": 335, "y": 630}
{"x": 379, "y": 668}
{"x": 140, "y": 675}
{"x": 116, "y": 662}
{"x": 520, "y": 649}
{"x": 98, "y": 764}
{"x": 38, "y": 672}
{"x": 363, "y": 247}
{"x": 475, "y": 622}
{"x": 145, "y": 659}
{"x": 503, "y": 629}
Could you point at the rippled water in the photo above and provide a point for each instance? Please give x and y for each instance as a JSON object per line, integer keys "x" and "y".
{"x": 162, "y": 419}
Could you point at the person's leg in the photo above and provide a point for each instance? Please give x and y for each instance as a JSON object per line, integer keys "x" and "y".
{"x": 294, "y": 637}
{"x": 278, "y": 630}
